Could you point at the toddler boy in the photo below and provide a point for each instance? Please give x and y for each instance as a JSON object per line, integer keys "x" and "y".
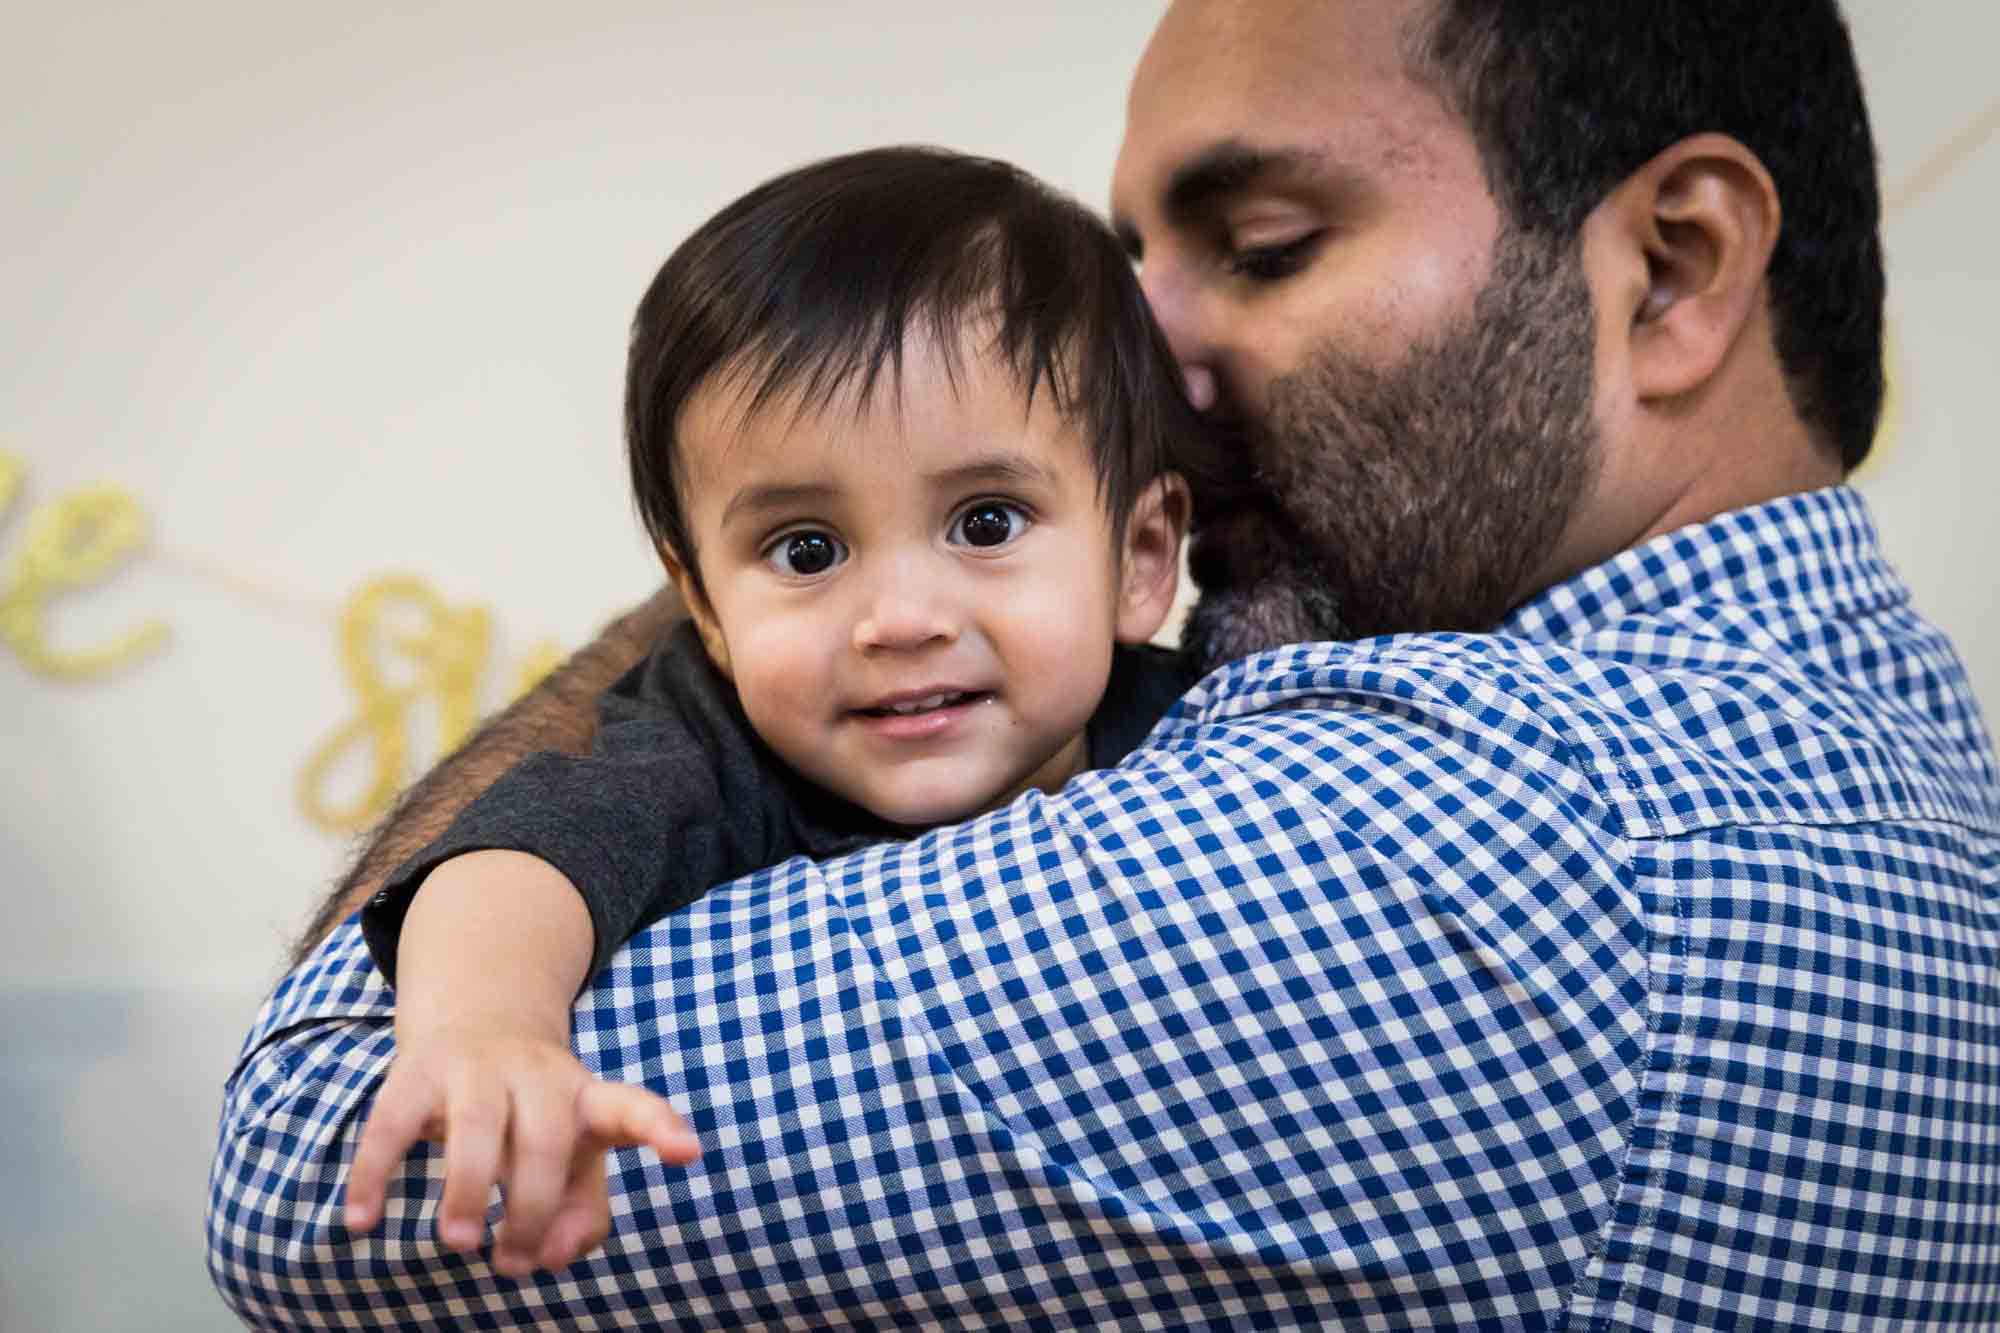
{"x": 910, "y": 447}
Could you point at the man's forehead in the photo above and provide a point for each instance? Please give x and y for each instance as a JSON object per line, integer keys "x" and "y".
{"x": 1287, "y": 75}
{"x": 1294, "y": 43}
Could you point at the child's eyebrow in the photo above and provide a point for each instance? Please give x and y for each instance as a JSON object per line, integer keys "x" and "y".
{"x": 999, "y": 470}
{"x": 754, "y": 500}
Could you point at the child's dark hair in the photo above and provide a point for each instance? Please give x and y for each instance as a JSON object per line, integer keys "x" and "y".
{"x": 812, "y": 282}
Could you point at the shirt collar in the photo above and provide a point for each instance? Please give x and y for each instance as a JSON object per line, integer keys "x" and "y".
{"x": 1814, "y": 550}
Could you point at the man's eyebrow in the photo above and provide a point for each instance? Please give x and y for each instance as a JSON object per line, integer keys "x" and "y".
{"x": 1227, "y": 169}
{"x": 754, "y": 500}
{"x": 1218, "y": 173}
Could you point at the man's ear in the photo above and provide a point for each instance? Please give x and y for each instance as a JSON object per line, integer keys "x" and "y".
{"x": 1149, "y": 558}
{"x": 699, "y": 611}
{"x": 1688, "y": 238}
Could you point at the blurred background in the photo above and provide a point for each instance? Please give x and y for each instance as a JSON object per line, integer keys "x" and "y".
{"x": 314, "y": 324}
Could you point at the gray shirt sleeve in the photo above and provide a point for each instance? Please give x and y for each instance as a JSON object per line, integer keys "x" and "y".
{"x": 679, "y": 794}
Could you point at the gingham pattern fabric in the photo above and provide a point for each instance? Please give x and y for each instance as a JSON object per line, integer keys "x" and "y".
{"x": 1632, "y": 968}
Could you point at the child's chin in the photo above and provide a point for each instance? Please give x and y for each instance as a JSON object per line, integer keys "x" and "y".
{"x": 930, "y": 809}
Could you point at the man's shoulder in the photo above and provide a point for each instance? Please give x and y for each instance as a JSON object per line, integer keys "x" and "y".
{"x": 1488, "y": 689}
{"x": 337, "y": 983}
{"x": 1397, "y": 724}
{"x": 1673, "y": 726}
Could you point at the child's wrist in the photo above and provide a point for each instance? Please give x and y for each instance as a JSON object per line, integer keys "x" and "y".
{"x": 493, "y": 937}
{"x": 466, "y": 1021}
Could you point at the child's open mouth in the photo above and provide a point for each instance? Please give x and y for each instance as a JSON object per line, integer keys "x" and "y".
{"x": 929, "y": 703}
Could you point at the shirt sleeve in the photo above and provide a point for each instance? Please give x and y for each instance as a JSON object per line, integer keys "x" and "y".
{"x": 677, "y": 795}
{"x": 1319, "y": 1014}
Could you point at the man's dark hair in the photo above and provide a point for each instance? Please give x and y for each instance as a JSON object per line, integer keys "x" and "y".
{"x": 812, "y": 282}
{"x": 1567, "y": 98}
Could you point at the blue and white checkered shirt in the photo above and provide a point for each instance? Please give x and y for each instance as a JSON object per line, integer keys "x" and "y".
{"x": 1633, "y": 967}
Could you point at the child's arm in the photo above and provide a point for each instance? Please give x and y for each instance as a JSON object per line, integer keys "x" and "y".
{"x": 676, "y": 796}
{"x": 493, "y": 952}
{"x": 487, "y": 949}
{"x": 558, "y": 714}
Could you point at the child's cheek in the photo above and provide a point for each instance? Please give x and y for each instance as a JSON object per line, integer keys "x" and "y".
{"x": 783, "y": 677}
{"x": 1063, "y": 649}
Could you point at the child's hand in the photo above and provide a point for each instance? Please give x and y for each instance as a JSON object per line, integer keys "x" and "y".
{"x": 520, "y": 1108}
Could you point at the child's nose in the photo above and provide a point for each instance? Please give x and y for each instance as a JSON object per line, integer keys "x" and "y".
{"x": 904, "y": 616}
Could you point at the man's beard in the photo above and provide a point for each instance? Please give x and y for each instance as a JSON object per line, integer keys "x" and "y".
{"x": 1417, "y": 498}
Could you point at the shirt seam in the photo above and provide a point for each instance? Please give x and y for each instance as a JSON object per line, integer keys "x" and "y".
{"x": 1670, "y": 1105}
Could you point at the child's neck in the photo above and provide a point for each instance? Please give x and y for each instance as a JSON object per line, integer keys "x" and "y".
{"x": 1058, "y": 768}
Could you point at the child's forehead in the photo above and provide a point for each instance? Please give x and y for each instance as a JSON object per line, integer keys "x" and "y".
{"x": 929, "y": 364}
{"x": 924, "y": 405}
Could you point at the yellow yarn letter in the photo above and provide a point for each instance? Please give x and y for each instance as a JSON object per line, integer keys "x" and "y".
{"x": 70, "y": 543}
{"x": 534, "y": 668}
{"x": 443, "y": 660}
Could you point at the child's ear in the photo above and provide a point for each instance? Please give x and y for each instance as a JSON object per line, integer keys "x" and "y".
{"x": 1149, "y": 564}
{"x": 699, "y": 611}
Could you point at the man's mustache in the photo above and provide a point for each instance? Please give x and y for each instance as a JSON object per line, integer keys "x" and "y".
{"x": 1249, "y": 536}
{"x": 1228, "y": 476}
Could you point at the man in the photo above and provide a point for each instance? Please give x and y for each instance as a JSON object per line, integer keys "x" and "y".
{"x": 1607, "y": 947}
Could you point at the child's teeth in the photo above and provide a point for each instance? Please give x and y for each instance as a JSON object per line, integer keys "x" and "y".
{"x": 920, "y": 706}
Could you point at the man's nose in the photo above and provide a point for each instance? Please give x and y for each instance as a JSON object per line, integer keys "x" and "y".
{"x": 1177, "y": 307}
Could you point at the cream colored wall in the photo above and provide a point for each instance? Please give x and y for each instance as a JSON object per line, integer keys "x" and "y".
{"x": 1936, "y": 486}
{"x": 341, "y": 290}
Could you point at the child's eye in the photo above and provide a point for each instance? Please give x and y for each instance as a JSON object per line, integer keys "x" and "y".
{"x": 805, "y": 552}
{"x": 988, "y": 523}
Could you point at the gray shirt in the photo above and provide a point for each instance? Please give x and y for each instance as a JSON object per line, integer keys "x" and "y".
{"x": 680, "y": 794}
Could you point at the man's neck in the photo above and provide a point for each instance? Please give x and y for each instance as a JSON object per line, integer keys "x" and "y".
{"x": 1740, "y": 443}
{"x": 1750, "y": 477}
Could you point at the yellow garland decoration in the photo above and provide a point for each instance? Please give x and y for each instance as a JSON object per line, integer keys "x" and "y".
{"x": 542, "y": 659}
{"x": 448, "y": 655}
{"x": 70, "y": 543}
{"x": 84, "y": 536}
